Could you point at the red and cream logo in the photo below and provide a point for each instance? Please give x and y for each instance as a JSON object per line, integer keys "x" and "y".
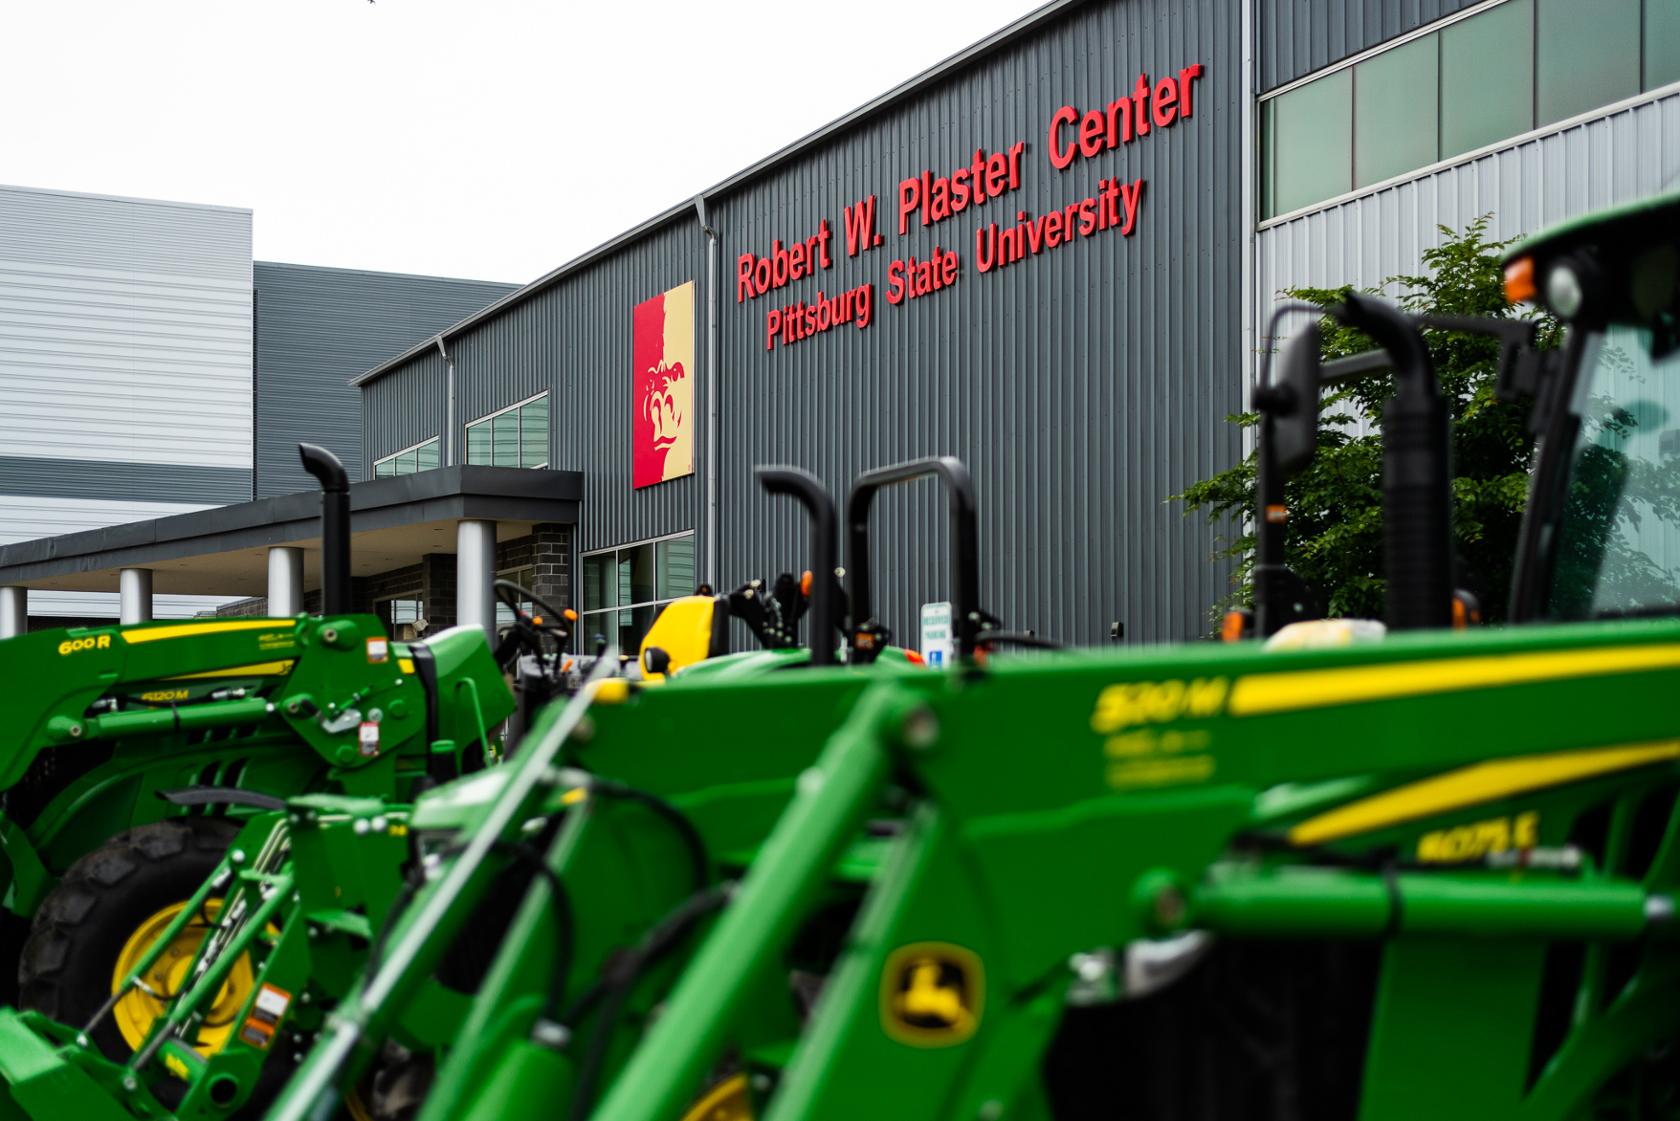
{"x": 662, "y": 394}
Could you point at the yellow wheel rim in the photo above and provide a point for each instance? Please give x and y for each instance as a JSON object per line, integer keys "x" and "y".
{"x": 138, "y": 1010}
{"x": 727, "y": 1101}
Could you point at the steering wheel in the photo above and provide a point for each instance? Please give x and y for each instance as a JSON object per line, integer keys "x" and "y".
{"x": 511, "y": 596}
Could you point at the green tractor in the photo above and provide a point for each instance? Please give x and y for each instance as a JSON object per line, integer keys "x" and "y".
{"x": 1433, "y": 875}
{"x": 134, "y": 753}
{"x": 217, "y": 998}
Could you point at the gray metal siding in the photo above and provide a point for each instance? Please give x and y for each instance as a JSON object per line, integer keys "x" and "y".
{"x": 1526, "y": 186}
{"x": 1083, "y": 386}
{"x": 101, "y": 479}
{"x": 573, "y": 339}
{"x": 319, "y": 327}
{"x": 404, "y": 409}
{"x": 1296, "y": 37}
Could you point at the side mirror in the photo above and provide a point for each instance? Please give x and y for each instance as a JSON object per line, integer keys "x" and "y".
{"x": 1294, "y": 402}
{"x": 655, "y": 661}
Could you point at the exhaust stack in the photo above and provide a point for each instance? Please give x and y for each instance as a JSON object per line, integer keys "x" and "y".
{"x": 335, "y": 526}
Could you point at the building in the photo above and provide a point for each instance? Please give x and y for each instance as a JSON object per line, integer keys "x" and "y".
{"x": 149, "y": 367}
{"x": 1054, "y": 255}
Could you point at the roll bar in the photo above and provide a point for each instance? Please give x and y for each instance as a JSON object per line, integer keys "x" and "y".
{"x": 335, "y": 526}
{"x": 965, "y": 550}
{"x": 819, "y": 509}
{"x": 1417, "y": 476}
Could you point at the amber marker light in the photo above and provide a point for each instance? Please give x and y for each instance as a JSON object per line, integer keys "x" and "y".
{"x": 1231, "y": 627}
{"x": 1519, "y": 281}
{"x": 805, "y": 584}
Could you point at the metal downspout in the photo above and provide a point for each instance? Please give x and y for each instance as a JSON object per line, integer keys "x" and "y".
{"x": 449, "y": 408}
{"x": 713, "y": 385}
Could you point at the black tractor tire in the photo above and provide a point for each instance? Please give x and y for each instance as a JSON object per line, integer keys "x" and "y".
{"x": 71, "y": 954}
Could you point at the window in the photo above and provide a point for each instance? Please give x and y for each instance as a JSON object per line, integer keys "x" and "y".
{"x": 1314, "y": 126}
{"x": 1487, "y": 77}
{"x": 1586, "y": 55}
{"x": 526, "y": 578}
{"x": 624, "y": 588}
{"x": 516, "y": 436}
{"x": 1395, "y": 100}
{"x": 421, "y": 457}
{"x": 1662, "y": 43}
{"x": 1469, "y": 83}
{"x": 403, "y": 617}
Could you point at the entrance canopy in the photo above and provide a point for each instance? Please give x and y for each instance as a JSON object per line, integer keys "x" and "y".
{"x": 395, "y": 523}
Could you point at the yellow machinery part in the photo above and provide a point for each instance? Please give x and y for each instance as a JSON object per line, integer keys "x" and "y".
{"x": 138, "y": 1010}
{"x": 727, "y": 1101}
{"x": 683, "y": 630}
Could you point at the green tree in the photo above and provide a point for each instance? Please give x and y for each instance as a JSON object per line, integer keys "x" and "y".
{"x": 1335, "y": 505}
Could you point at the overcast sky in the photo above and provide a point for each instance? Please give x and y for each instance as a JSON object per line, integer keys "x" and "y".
{"x": 476, "y": 138}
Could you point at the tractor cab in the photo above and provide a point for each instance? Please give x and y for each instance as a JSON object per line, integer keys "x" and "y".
{"x": 1601, "y": 530}
{"x": 1601, "y": 536}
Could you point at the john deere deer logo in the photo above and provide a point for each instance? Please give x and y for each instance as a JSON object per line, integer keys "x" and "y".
{"x": 662, "y": 427}
{"x": 931, "y": 994}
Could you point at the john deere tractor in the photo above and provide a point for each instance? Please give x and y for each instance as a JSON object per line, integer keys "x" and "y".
{"x": 130, "y": 755}
{"x": 1430, "y": 876}
{"x": 217, "y": 997}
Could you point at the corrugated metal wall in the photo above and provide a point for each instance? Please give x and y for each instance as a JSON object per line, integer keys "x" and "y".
{"x": 316, "y": 329}
{"x": 1527, "y": 186}
{"x": 1296, "y": 37}
{"x": 125, "y": 364}
{"x": 404, "y": 408}
{"x": 1083, "y": 386}
{"x": 573, "y": 340}
{"x": 125, "y": 330}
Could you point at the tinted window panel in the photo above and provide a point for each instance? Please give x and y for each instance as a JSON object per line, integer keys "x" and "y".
{"x": 385, "y": 470}
{"x": 533, "y": 439}
{"x": 600, "y": 589}
{"x": 1588, "y": 55}
{"x": 1662, "y": 42}
{"x": 676, "y": 568}
{"x": 428, "y": 455}
{"x": 1487, "y": 77}
{"x": 1394, "y": 116}
{"x": 635, "y": 574}
{"x": 505, "y": 437}
{"x": 478, "y": 443}
{"x": 1313, "y": 152}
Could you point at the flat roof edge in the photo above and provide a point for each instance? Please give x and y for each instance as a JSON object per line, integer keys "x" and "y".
{"x": 174, "y": 203}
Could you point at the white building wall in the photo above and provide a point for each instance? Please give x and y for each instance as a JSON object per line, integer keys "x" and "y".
{"x": 125, "y": 367}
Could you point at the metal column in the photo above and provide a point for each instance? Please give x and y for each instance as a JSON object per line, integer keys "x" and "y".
{"x": 134, "y": 588}
{"x": 14, "y": 611}
{"x": 285, "y": 581}
{"x": 475, "y": 572}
